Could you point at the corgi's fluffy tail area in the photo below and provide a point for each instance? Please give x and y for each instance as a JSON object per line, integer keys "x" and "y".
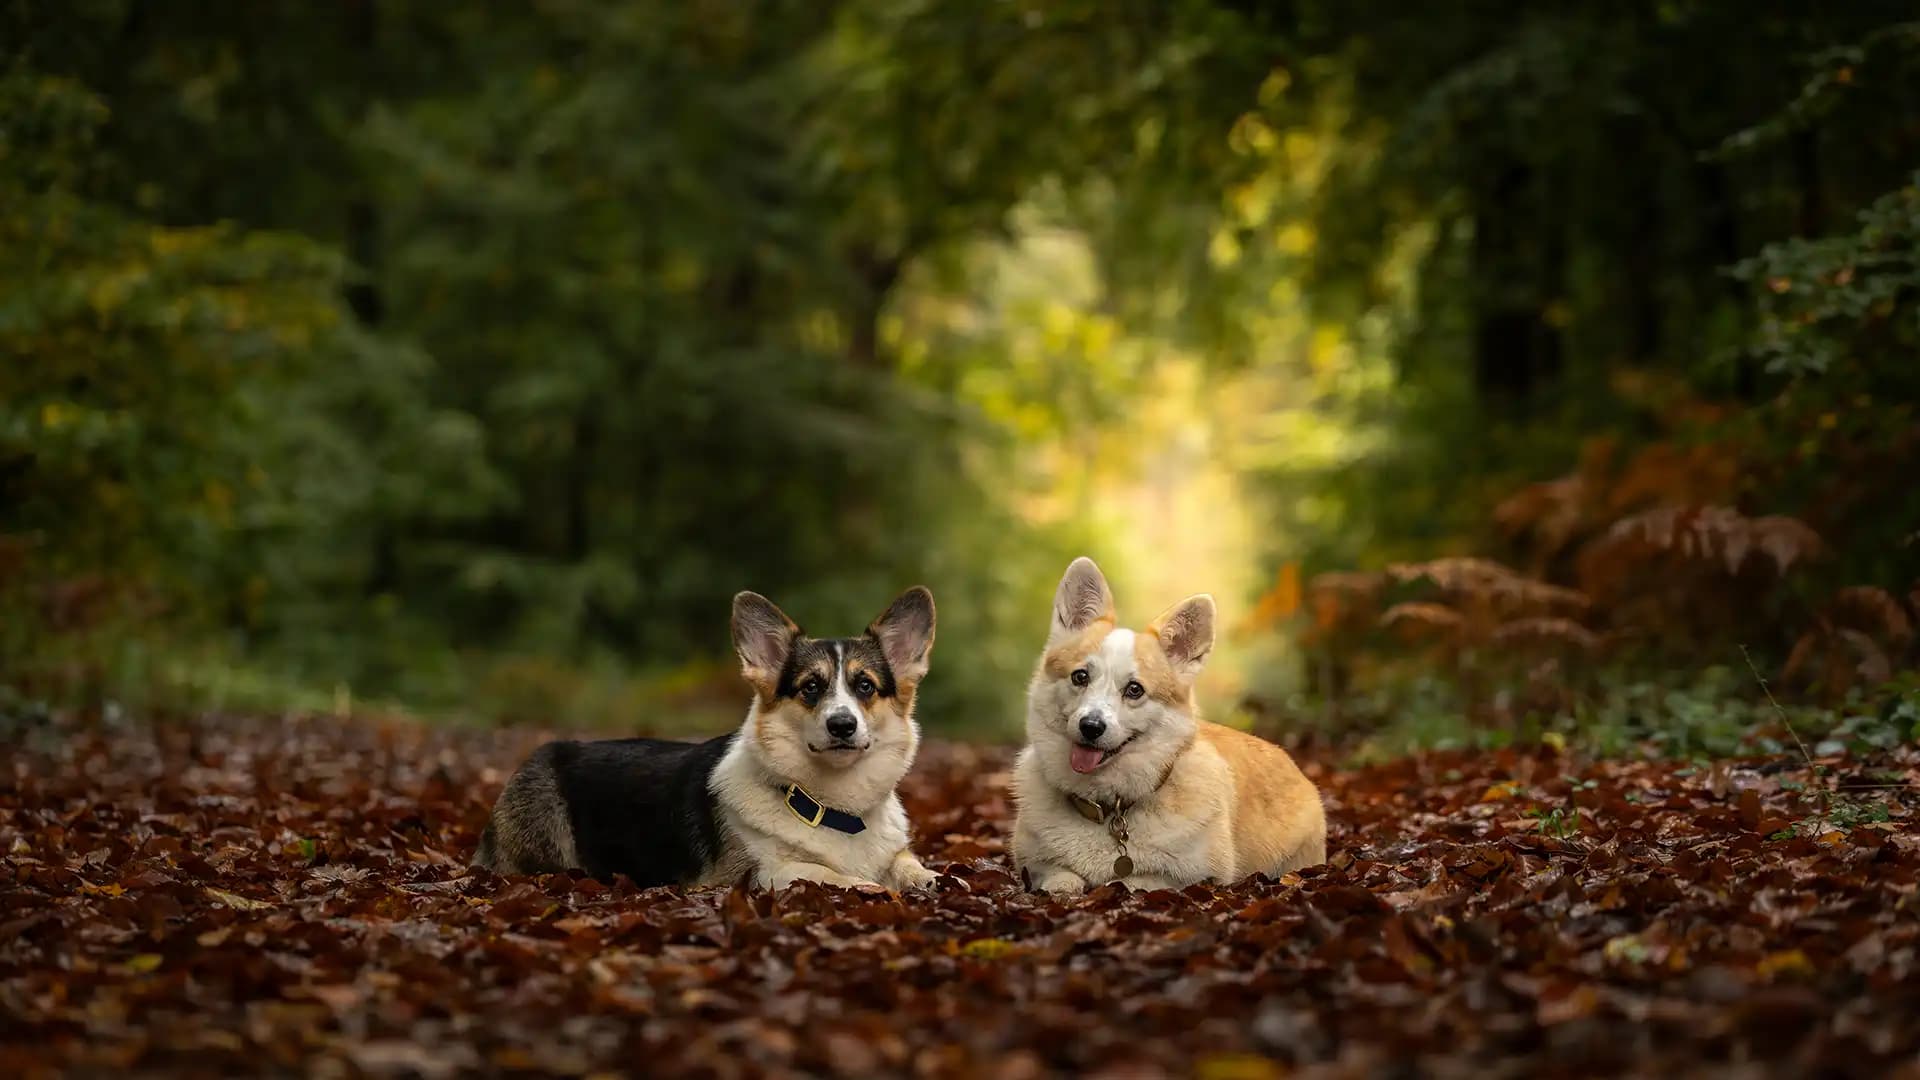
{"x": 530, "y": 830}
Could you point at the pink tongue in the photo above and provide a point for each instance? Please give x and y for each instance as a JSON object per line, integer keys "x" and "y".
{"x": 1086, "y": 758}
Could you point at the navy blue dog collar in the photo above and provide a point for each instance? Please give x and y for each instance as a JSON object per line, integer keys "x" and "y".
{"x": 808, "y": 809}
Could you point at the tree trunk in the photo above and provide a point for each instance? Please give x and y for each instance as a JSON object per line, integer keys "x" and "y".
{"x": 1516, "y": 267}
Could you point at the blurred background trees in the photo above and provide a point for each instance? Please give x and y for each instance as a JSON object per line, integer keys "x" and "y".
{"x": 473, "y": 357}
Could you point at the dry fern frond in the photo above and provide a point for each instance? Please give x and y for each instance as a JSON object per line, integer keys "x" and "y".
{"x": 1344, "y": 598}
{"x": 1551, "y": 514}
{"x": 1483, "y": 580}
{"x": 1718, "y": 535}
{"x": 1786, "y": 540}
{"x": 1351, "y": 583}
{"x": 1547, "y": 631}
{"x": 1461, "y": 573}
{"x": 1874, "y": 666}
{"x": 1874, "y": 612}
{"x": 1421, "y": 619}
{"x": 1671, "y": 474}
{"x": 1550, "y": 508}
{"x": 1554, "y": 512}
{"x": 1855, "y": 640}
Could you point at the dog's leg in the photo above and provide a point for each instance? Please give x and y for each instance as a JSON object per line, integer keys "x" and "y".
{"x": 906, "y": 872}
{"x": 1149, "y": 882}
{"x": 1225, "y": 861}
{"x": 1057, "y": 880}
{"x": 781, "y": 875}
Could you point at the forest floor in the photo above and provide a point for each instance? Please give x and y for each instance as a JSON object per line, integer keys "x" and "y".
{"x": 291, "y": 896}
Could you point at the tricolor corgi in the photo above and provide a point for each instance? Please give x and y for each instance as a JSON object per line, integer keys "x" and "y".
{"x": 803, "y": 790}
{"x": 1122, "y": 781}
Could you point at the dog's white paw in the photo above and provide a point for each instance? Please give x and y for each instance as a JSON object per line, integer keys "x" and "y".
{"x": 909, "y": 874}
{"x": 1061, "y": 883}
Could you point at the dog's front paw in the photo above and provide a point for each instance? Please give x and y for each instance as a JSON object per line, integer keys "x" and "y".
{"x": 1151, "y": 882}
{"x": 788, "y": 874}
{"x": 908, "y": 873}
{"x": 1060, "y": 883}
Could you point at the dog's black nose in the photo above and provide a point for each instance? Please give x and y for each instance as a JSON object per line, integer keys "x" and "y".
{"x": 842, "y": 725}
{"x": 1092, "y": 726}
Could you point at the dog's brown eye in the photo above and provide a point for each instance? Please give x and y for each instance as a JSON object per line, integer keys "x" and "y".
{"x": 1081, "y": 676}
{"x": 864, "y": 686}
{"x": 811, "y": 690}
{"x": 1135, "y": 691}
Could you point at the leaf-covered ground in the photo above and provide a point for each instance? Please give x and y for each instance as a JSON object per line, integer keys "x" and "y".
{"x": 291, "y": 896}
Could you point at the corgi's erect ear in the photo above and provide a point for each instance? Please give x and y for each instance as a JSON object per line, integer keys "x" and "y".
{"x": 905, "y": 633}
{"x": 1082, "y": 600}
{"x": 763, "y": 636}
{"x": 1185, "y": 632}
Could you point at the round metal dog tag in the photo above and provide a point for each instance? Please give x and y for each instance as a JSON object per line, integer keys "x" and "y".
{"x": 1123, "y": 866}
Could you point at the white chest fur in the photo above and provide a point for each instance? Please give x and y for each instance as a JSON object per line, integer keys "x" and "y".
{"x": 780, "y": 846}
{"x": 1176, "y": 835}
{"x": 775, "y": 834}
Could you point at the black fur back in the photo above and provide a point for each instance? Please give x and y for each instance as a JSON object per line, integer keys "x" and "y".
{"x": 641, "y": 807}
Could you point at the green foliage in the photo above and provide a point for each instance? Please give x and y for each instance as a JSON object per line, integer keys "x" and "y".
{"x": 1840, "y": 813}
{"x": 1578, "y": 171}
{"x": 606, "y": 351}
{"x": 1559, "y": 822}
{"x": 160, "y": 383}
{"x": 1709, "y": 716}
{"x": 1714, "y": 713}
{"x": 1833, "y": 78}
{"x": 1843, "y": 298}
{"x": 476, "y": 356}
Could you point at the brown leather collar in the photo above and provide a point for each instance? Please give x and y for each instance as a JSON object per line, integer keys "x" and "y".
{"x": 1098, "y": 813}
{"x": 1089, "y": 809}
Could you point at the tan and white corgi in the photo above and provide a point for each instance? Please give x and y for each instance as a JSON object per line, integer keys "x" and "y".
{"x": 1122, "y": 781}
{"x": 804, "y": 790}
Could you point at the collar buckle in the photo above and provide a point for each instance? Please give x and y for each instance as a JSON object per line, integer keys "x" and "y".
{"x": 814, "y": 813}
{"x": 1088, "y": 809}
{"x": 819, "y": 810}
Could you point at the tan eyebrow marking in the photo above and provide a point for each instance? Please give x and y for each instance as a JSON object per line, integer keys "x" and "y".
{"x": 1064, "y": 657}
{"x": 1154, "y": 673}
